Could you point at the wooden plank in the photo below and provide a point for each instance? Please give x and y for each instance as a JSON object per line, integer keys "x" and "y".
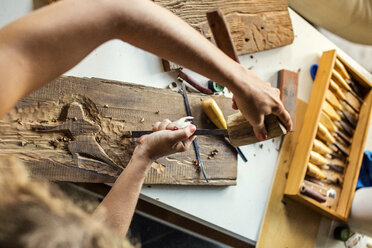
{"x": 254, "y": 25}
{"x": 288, "y": 223}
{"x": 73, "y": 130}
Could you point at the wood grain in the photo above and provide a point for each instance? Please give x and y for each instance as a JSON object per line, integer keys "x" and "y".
{"x": 254, "y": 25}
{"x": 73, "y": 130}
{"x": 288, "y": 223}
{"x": 241, "y": 131}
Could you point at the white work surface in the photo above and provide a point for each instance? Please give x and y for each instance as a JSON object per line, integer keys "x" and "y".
{"x": 235, "y": 210}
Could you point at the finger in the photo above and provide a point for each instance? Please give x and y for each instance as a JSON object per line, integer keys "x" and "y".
{"x": 141, "y": 139}
{"x": 163, "y": 125}
{"x": 284, "y": 117}
{"x": 156, "y": 126}
{"x": 182, "y": 134}
{"x": 260, "y": 129}
{"x": 187, "y": 143}
{"x": 172, "y": 126}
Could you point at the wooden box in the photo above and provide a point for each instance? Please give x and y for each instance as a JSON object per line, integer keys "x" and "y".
{"x": 339, "y": 207}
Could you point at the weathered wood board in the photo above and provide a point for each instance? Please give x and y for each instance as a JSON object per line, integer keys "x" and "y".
{"x": 255, "y": 25}
{"x": 73, "y": 130}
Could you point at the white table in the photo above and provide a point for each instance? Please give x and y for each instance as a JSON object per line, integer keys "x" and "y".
{"x": 235, "y": 210}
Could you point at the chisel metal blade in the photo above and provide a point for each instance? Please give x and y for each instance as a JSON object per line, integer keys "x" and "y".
{"x": 223, "y": 132}
{"x": 195, "y": 142}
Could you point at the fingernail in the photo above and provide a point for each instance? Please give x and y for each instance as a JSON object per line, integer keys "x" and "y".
{"x": 263, "y": 136}
{"x": 192, "y": 128}
{"x": 175, "y": 128}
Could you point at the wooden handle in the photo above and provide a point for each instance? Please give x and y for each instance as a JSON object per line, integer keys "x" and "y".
{"x": 333, "y": 86}
{"x": 327, "y": 122}
{"x": 241, "y": 132}
{"x": 340, "y": 80}
{"x": 314, "y": 171}
{"x": 317, "y": 159}
{"x": 194, "y": 83}
{"x": 320, "y": 147}
{"x": 332, "y": 99}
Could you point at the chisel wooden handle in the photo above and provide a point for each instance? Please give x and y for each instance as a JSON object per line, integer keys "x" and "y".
{"x": 324, "y": 134}
{"x": 341, "y": 68}
{"x": 330, "y": 111}
{"x": 332, "y": 99}
{"x": 214, "y": 113}
{"x": 340, "y": 81}
{"x": 313, "y": 194}
{"x": 320, "y": 147}
{"x": 334, "y": 87}
{"x": 317, "y": 159}
{"x": 314, "y": 171}
{"x": 327, "y": 122}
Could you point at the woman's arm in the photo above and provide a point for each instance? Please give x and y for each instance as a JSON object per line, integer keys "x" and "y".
{"x": 48, "y": 42}
{"x": 120, "y": 202}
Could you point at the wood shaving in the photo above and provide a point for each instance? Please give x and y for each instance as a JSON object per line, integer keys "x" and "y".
{"x": 142, "y": 120}
{"x": 106, "y": 106}
{"x": 158, "y": 167}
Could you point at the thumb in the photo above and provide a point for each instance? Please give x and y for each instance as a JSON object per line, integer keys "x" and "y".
{"x": 182, "y": 134}
{"x": 260, "y": 129}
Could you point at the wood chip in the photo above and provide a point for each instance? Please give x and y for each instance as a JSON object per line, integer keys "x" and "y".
{"x": 105, "y": 106}
{"x": 158, "y": 167}
{"x": 142, "y": 120}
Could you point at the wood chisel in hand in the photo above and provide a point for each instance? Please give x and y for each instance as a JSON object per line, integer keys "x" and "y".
{"x": 214, "y": 113}
{"x": 195, "y": 142}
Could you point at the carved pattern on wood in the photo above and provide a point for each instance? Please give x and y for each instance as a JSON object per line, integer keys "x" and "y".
{"x": 73, "y": 129}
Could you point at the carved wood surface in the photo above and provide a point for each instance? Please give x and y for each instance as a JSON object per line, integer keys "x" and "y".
{"x": 73, "y": 130}
{"x": 254, "y": 25}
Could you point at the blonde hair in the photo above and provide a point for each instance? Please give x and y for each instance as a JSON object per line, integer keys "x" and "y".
{"x": 35, "y": 213}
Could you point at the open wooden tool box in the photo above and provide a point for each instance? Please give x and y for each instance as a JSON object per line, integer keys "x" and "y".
{"x": 327, "y": 160}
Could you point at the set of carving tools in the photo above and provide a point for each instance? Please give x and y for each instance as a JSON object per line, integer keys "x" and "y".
{"x": 337, "y": 122}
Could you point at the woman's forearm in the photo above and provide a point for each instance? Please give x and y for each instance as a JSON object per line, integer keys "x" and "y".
{"x": 48, "y": 42}
{"x": 120, "y": 202}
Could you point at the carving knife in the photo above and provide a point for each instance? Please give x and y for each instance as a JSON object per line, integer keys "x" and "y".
{"x": 195, "y": 142}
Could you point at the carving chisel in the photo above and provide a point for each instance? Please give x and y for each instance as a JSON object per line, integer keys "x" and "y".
{"x": 214, "y": 113}
{"x": 342, "y": 70}
{"x": 195, "y": 142}
{"x": 336, "y": 115}
{"x": 333, "y": 128}
{"x": 340, "y": 95}
{"x": 223, "y": 132}
{"x": 314, "y": 172}
{"x": 342, "y": 83}
{"x": 321, "y": 148}
{"x": 320, "y": 160}
{"x": 326, "y": 136}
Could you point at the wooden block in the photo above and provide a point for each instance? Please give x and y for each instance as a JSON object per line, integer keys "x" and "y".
{"x": 221, "y": 33}
{"x": 288, "y": 83}
{"x": 241, "y": 132}
{"x": 73, "y": 129}
{"x": 254, "y": 25}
